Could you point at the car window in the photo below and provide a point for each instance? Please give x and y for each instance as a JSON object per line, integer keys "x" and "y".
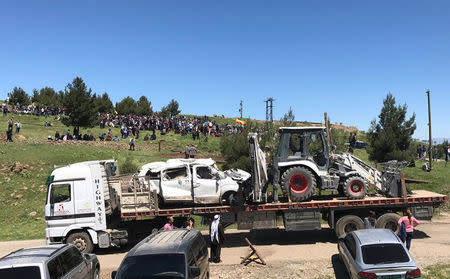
{"x": 70, "y": 259}
{"x": 162, "y": 266}
{"x": 384, "y": 253}
{"x": 350, "y": 244}
{"x": 204, "y": 173}
{"x": 60, "y": 193}
{"x": 21, "y": 272}
{"x": 177, "y": 173}
{"x": 152, "y": 175}
{"x": 55, "y": 269}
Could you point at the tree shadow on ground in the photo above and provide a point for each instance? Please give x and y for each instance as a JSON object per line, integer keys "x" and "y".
{"x": 340, "y": 271}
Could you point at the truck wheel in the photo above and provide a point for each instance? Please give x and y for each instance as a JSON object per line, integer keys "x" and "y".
{"x": 299, "y": 182}
{"x": 82, "y": 241}
{"x": 355, "y": 188}
{"x": 348, "y": 223}
{"x": 388, "y": 221}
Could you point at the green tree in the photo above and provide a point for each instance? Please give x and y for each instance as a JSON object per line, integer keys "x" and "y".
{"x": 35, "y": 97}
{"x": 79, "y": 105}
{"x": 18, "y": 96}
{"x": 288, "y": 118}
{"x": 171, "y": 109}
{"x": 143, "y": 106}
{"x": 103, "y": 103}
{"x": 126, "y": 106}
{"x": 390, "y": 138}
{"x": 48, "y": 97}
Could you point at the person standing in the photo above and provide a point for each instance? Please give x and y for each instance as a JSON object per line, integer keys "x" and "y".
{"x": 187, "y": 151}
{"x": 217, "y": 236}
{"x": 18, "y": 126}
{"x": 169, "y": 225}
{"x": 447, "y": 154}
{"x": 369, "y": 222}
{"x": 131, "y": 143}
{"x": 192, "y": 151}
{"x": 410, "y": 222}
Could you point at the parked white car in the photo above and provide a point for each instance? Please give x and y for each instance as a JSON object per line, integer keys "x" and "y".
{"x": 191, "y": 181}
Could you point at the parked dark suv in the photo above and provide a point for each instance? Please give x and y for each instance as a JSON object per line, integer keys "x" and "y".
{"x": 179, "y": 253}
{"x": 54, "y": 261}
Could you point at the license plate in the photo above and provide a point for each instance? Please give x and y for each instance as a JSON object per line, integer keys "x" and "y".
{"x": 391, "y": 277}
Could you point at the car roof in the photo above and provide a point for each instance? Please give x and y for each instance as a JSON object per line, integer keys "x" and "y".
{"x": 174, "y": 163}
{"x": 318, "y": 128}
{"x": 375, "y": 236}
{"x": 163, "y": 242}
{"x": 31, "y": 255}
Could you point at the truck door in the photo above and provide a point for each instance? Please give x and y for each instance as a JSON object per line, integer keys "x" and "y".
{"x": 176, "y": 184}
{"x": 206, "y": 188}
{"x": 59, "y": 210}
{"x": 83, "y": 202}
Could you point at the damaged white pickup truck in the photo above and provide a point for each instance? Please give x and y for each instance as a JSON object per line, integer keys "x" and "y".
{"x": 195, "y": 181}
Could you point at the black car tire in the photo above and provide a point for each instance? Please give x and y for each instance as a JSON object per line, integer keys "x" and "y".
{"x": 388, "y": 221}
{"x": 299, "y": 183}
{"x": 354, "y": 188}
{"x": 82, "y": 241}
{"x": 347, "y": 224}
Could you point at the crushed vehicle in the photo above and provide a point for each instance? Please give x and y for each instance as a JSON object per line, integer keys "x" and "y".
{"x": 195, "y": 181}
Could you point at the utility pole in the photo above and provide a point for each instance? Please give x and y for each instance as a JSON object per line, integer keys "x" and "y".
{"x": 241, "y": 110}
{"x": 269, "y": 110}
{"x": 429, "y": 127}
{"x": 328, "y": 132}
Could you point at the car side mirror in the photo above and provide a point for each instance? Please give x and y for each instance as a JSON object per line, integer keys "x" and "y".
{"x": 113, "y": 274}
{"x": 217, "y": 176}
{"x": 194, "y": 271}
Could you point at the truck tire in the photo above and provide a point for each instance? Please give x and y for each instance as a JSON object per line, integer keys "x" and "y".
{"x": 354, "y": 188}
{"x": 299, "y": 183}
{"x": 82, "y": 241}
{"x": 388, "y": 221}
{"x": 348, "y": 223}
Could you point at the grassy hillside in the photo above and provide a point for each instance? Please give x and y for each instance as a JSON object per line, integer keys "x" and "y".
{"x": 26, "y": 163}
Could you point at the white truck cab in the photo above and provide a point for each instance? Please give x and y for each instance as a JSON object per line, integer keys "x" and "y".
{"x": 78, "y": 199}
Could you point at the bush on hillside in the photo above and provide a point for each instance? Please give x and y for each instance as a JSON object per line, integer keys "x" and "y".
{"x": 127, "y": 166}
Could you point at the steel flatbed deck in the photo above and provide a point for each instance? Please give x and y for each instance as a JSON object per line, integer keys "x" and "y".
{"x": 419, "y": 197}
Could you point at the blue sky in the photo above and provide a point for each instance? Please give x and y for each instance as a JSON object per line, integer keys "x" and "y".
{"x": 342, "y": 57}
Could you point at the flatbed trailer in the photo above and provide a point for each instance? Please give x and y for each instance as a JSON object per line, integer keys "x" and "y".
{"x": 342, "y": 214}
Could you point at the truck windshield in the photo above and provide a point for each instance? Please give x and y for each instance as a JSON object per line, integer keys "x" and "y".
{"x": 21, "y": 272}
{"x": 384, "y": 254}
{"x": 158, "y": 266}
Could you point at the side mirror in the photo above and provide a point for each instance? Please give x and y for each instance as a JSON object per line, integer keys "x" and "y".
{"x": 217, "y": 176}
{"x": 113, "y": 274}
{"x": 194, "y": 271}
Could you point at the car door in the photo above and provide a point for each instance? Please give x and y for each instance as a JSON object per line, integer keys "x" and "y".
{"x": 176, "y": 184}
{"x": 59, "y": 209}
{"x": 350, "y": 255}
{"x": 73, "y": 263}
{"x": 205, "y": 185}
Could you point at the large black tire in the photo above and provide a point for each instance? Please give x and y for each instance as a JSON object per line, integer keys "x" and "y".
{"x": 388, "y": 221}
{"x": 299, "y": 183}
{"x": 354, "y": 188}
{"x": 82, "y": 241}
{"x": 347, "y": 224}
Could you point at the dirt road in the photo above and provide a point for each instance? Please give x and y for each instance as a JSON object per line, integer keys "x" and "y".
{"x": 288, "y": 254}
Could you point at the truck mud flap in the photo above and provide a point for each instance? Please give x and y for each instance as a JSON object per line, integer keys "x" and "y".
{"x": 422, "y": 212}
{"x": 257, "y": 220}
{"x": 300, "y": 220}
